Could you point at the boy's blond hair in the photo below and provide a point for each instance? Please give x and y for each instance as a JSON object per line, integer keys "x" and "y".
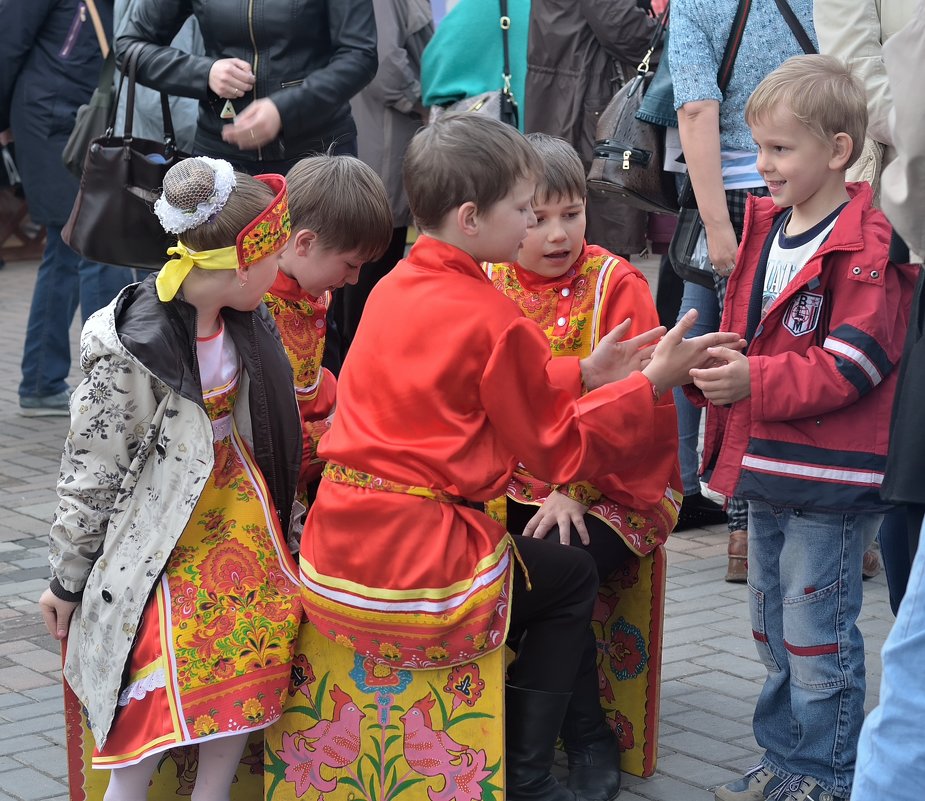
{"x": 461, "y": 158}
{"x": 563, "y": 174}
{"x": 822, "y": 94}
{"x": 343, "y": 202}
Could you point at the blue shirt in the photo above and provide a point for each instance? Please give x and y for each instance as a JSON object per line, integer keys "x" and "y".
{"x": 699, "y": 32}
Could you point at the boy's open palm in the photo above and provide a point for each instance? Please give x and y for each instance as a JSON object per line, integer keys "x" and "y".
{"x": 615, "y": 358}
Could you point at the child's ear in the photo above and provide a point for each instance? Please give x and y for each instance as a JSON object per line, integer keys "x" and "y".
{"x": 842, "y": 147}
{"x": 467, "y": 218}
{"x": 302, "y": 240}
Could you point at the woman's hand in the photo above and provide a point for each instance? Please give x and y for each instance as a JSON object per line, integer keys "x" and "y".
{"x": 256, "y": 126}
{"x": 559, "y": 510}
{"x": 231, "y": 77}
{"x": 722, "y": 247}
{"x": 57, "y": 614}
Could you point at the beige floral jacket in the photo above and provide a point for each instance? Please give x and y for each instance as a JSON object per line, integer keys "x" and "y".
{"x": 134, "y": 465}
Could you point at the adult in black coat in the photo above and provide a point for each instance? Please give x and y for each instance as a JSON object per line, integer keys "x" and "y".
{"x": 50, "y": 62}
{"x": 276, "y": 79}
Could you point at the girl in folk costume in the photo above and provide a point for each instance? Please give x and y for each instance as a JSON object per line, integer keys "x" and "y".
{"x": 577, "y": 293}
{"x": 171, "y": 579}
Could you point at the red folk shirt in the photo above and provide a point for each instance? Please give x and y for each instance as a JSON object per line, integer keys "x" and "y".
{"x": 445, "y": 387}
{"x": 574, "y": 310}
{"x": 302, "y": 323}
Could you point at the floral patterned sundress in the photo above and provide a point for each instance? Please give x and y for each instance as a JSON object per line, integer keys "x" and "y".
{"x": 214, "y": 646}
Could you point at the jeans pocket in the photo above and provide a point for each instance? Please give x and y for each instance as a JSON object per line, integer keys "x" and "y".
{"x": 812, "y": 641}
{"x": 760, "y": 629}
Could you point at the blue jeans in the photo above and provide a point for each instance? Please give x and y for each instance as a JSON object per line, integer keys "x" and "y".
{"x": 804, "y": 577}
{"x": 64, "y": 280}
{"x": 891, "y": 753}
{"x": 704, "y": 300}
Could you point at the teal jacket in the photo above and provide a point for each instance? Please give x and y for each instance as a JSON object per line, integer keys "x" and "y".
{"x": 465, "y": 57}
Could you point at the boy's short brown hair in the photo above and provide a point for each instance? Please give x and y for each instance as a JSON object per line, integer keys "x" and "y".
{"x": 461, "y": 158}
{"x": 563, "y": 174}
{"x": 822, "y": 94}
{"x": 343, "y": 202}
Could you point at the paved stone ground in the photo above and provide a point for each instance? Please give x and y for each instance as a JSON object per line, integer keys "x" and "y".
{"x": 710, "y": 680}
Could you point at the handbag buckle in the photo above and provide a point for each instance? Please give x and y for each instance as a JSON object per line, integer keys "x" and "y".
{"x": 626, "y": 159}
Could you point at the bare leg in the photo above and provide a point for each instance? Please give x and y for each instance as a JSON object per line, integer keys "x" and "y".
{"x": 218, "y": 761}
{"x": 131, "y": 783}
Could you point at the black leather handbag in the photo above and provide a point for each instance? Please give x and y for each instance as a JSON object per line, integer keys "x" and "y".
{"x": 629, "y": 153}
{"x": 113, "y": 219}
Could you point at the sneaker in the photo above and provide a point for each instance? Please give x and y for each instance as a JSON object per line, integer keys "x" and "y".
{"x": 698, "y": 511}
{"x": 753, "y": 786}
{"x": 45, "y": 405}
{"x": 802, "y": 788}
{"x": 871, "y": 565}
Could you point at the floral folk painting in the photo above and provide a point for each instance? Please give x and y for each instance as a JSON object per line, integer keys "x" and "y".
{"x": 627, "y": 622}
{"x": 357, "y": 729}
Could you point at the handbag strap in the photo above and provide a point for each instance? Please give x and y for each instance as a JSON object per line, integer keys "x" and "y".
{"x": 661, "y": 23}
{"x": 798, "y": 30}
{"x": 98, "y": 27}
{"x": 732, "y": 45}
{"x": 505, "y": 23}
{"x": 129, "y": 67}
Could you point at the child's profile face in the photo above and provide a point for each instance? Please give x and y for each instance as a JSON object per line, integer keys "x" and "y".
{"x": 793, "y": 161}
{"x": 505, "y": 224}
{"x": 553, "y": 244}
{"x": 318, "y": 268}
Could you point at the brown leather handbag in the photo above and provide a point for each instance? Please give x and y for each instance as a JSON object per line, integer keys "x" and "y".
{"x": 629, "y": 153}
{"x": 113, "y": 218}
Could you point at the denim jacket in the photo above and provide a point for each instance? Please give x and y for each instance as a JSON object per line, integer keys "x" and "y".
{"x": 658, "y": 104}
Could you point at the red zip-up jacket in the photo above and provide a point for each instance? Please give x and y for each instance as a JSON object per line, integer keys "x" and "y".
{"x": 813, "y": 434}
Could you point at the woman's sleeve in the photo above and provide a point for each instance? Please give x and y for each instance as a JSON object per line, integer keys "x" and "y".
{"x": 353, "y": 64}
{"x": 111, "y": 411}
{"x": 155, "y": 23}
{"x": 691, "y": 58}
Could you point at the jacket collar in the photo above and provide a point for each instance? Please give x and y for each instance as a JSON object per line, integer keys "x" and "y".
{"x": 849, "y": 231}
{"x": 433, "y": 254}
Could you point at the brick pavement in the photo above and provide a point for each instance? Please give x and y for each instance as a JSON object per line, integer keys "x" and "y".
{"x": 710, "y": 679}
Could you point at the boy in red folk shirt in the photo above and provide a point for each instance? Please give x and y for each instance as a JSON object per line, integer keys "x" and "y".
{"x": 340, "y": 219}
{"x": 801, "y": 419}
{"x": 577, "y": 293}
{"x": 446, "y": 386}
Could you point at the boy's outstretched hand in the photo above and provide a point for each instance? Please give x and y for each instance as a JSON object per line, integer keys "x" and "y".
{"x": 614, "y": 358}
{"x": 675, "y": 357}
{"x": 729, "y": 381}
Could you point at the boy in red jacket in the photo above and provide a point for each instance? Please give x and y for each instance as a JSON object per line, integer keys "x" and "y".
{"x": 799, "y": 422}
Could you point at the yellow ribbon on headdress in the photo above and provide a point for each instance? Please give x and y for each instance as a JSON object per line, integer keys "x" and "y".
{"x": 175, "y": 271}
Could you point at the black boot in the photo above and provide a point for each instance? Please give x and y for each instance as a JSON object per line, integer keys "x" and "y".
{"x": 592, "y": 748}
{"x": 532, "y": 720}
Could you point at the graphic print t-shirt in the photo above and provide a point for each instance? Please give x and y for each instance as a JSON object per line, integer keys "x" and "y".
{"x": 789, "y": 254}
